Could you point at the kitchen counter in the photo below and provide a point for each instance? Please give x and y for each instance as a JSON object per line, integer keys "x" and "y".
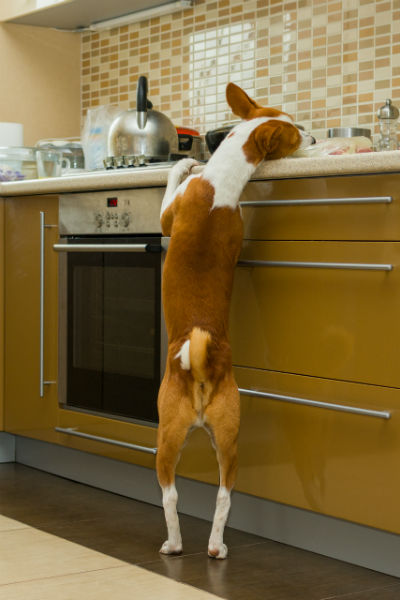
{"x": 371, "y": 162}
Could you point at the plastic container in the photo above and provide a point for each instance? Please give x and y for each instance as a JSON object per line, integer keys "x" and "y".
{"x": 17, "y": 163}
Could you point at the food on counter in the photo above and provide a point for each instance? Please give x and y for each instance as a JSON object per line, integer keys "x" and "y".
{"x": 8, "y": 174}
{"x": 336, "y": 146}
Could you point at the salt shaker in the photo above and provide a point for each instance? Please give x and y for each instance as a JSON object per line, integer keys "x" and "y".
{"x": 388, "y": 116}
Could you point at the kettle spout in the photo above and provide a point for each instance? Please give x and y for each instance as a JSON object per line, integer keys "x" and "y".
{"x": 141, "y": 119}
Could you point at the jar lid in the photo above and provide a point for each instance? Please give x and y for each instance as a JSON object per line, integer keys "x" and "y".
{"x": 388, "y": 111}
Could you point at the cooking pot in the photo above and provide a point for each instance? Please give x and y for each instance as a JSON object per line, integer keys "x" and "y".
{"x": 215, "y": 136}
{"x": 143, "y": 132}
{"x": 190, "y": 143}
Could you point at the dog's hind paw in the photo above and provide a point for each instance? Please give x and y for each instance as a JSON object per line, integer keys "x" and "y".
{"x": 219, "y": 552}
{"x": 168, "y": 548}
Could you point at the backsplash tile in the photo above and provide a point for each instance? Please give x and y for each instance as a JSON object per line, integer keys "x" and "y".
{"x": 328, "y": 63}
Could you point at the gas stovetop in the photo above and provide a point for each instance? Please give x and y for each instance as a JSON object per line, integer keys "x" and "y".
{"x": 132, "y": 162}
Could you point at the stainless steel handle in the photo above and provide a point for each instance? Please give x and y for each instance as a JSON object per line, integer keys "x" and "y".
{"x": 315, "y": 265}
{"x": 319, "y": 201}
{"x": 42, "y": 382}
{"x": 380, "y": 414}
{"x": 98, "y": 438}
{"x": 107, "y": 248}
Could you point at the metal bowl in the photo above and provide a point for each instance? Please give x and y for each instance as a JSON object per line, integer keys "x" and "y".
{"x": 348, "y": 132}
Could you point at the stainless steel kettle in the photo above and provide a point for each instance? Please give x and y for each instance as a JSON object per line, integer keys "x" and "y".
{"x": 144, "y": 132}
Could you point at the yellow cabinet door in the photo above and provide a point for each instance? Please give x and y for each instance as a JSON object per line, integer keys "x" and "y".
{"x": 343, "y": 464}
{"x": 363, "y": 207}
{"x": 338, "y": 321}
{"x": 27, "y": 412}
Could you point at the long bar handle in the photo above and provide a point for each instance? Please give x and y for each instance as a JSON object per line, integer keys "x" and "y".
{"x": 316, "y": 265}
{"x": 380, "y": 414}
{"x": 42, "y": 381}
{"x": 107, "y": 247}
{"x": 319, "y": 201}
{"x": 97, "y": 438}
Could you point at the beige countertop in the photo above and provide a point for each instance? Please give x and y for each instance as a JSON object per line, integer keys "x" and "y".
{"x": 372, "y": 162}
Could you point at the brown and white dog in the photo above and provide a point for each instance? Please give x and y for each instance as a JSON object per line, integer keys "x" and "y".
{"x": 203, "y": 218}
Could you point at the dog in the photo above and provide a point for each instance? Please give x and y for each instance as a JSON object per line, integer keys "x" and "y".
{"x": 201, "y": 215}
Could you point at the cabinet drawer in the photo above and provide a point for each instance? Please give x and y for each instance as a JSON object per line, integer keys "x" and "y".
{"x": 326, "y": 208}
{"x": 336, "y": 463}
{"x": 118, "y": 440}
{"x": 106, "y": 437}
{"x": 332, "y": 314}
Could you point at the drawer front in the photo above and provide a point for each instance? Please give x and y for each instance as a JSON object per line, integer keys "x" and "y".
{"x": 326, "y": 208}
{"x": 342, "y": 464}
{"x": 133, "y": 443}
{"x": 119, "y": 440}
{"x": 325, "y": 309}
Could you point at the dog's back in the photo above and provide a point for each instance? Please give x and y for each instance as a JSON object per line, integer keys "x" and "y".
{"x": 199, "y": 267}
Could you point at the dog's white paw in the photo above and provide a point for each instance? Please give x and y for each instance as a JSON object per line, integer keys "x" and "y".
{"x": 184, "y": 166}
{"x": 217, "y": 551}
{"x": 168, "y": 548}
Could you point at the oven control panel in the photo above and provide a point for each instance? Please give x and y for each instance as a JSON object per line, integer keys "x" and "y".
{"x": 111, "y": 213}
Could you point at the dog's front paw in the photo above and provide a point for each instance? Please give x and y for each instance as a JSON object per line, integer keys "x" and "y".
{"x": 185, "y": 166}
{"x": 217, "y": 551}
{"x": 169, "y": 548}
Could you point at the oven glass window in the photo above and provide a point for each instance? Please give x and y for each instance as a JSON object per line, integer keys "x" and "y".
{"x": 114, "y": 332}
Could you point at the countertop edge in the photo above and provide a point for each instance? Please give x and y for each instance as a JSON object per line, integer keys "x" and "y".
{"x": 350, "y": 164}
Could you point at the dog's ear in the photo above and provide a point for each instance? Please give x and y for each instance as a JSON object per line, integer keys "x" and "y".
{"x": 241, "y": 104}
{"x": 274, "y": 139}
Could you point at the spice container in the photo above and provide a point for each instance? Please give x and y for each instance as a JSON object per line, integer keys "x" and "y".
{"x": 388, "y": 116}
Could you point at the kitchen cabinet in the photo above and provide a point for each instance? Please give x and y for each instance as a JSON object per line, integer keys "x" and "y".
{"x": 30, "y": 275}
{"x": 315, "y": 327}
{"x": 358, "y": 207}
{"x": 338, "y": 458}
{"x": 71, "y": 14}
{"x": 338, "y": 320}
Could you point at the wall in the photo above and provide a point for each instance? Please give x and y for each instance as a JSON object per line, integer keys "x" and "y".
{"x": 327, "y": 62}
{"x": 40, "y": 81}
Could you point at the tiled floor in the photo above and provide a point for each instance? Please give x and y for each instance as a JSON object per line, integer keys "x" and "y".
{"x": 64, "y": 541}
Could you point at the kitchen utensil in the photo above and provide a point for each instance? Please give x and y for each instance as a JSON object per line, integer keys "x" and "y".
{"x": 215, "y": 136}
{"x": 17, "y": 163}
{"x": 143, "y": 132}
{"x": 388, "y": 116}
{"x": 71, "y": 149}
{"x": 190, "y": 143}
{"x": 348, "y": 132}
{"x": 51, "y": 163}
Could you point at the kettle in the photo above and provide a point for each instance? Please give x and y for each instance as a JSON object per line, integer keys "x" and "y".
{"x": 143, "y": 132}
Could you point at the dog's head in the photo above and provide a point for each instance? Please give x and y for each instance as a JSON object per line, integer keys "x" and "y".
{"x": 276, "y": 137}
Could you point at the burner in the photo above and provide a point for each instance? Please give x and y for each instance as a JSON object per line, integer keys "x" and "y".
{"x": 133, "y": 161}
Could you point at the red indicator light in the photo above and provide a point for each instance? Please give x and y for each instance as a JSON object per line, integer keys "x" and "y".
{"x": 111, "y": 202}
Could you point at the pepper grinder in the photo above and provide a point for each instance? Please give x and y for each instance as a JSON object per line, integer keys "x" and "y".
{"x": 388, "y": 116}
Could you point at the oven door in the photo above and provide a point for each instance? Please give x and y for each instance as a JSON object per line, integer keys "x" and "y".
{"x": 111, "y": 326}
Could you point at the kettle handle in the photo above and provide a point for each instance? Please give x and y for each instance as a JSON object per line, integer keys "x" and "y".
{"x": 141, "y": 94}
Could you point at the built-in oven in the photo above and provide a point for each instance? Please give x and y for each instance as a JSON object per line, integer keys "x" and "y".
{"x": 112, "y": 345}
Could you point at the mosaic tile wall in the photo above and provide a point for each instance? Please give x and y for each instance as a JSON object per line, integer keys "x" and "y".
{"x": 328, "y": 63}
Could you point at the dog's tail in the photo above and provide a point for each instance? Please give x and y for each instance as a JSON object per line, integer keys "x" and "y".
{"x": 199, "y": 342}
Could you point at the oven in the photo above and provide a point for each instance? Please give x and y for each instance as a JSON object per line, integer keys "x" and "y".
{"x": 112, "y": 340}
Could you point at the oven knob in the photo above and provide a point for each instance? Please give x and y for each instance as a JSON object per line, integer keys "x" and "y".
{"x": 126, "y": 219}
{"x": 99, "y": 219}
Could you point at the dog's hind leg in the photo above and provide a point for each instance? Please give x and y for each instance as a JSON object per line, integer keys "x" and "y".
{"x": 172, "y": 432}
{"x": 222, "y": 418}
